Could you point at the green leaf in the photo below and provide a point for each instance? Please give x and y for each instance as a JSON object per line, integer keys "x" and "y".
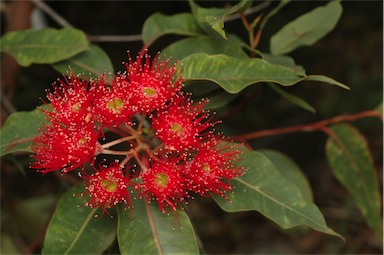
{"x": 18, "y": 131}
{"x": 158, "y": 25}
{"x": 220, "y": 99}
{"x": 281, "y": 4}
{"x": 90, "y": 63}
{"x": 290, "y": 170}
{"x": 262, "y": 188}
{"x": 74, "y": 229}
{"x": 235, "y": 74}
{"x": 379, "y": 108}
{"x": 351, "y": 161}
{"x": 292, "y": 98}
{"x": 211, "y": 20}
{"x": 284, "y": 61}
{"x": 152, "y": 232}
{"x": 325, "y": 79}
{"x": 306, "y": 29}
{"x": 186, "y": 47}
{"x": 45, "y": 46}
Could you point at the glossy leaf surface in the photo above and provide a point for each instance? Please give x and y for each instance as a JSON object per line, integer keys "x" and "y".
{"x": 44, "y": 46}
{"x": 290, "y": 170}
{"x": 234, "y": 74}
{"x": 348, "y": 154}
{"x": 262, "y": 188}
{"x": 292, "y": 98}
{"x": 74, "y": 229}
{"x": 306, "y": 29}
{"x": 211, "y": 46}
{"x": 18, "y": 131}
{"x": 159, "y": 25}
{"x": 90, "y": 63}
{"x": 152, "y": 232}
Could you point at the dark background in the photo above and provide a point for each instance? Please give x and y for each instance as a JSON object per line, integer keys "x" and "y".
{"x": 352, "y": 54}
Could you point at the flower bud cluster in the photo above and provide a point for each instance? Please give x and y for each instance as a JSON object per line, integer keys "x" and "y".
{"x": 173, "y": 152}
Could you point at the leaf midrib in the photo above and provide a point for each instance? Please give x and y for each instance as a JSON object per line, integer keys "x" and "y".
{"x": 278, "y": 202}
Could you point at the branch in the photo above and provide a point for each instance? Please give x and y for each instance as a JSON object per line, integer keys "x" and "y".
{"x": 52, "y": 13}
{"x": 114, "y": 38}
{"x": 249, "y": 11}
{"x": 315, "y": 126}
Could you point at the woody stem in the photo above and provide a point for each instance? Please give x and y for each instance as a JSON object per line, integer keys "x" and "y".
{"x": 308, "y": 127}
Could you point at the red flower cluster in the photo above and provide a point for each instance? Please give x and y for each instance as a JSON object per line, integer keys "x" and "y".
{"x": 173, "y": 151}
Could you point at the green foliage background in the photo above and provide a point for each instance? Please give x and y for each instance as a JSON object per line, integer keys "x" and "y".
{"x": 351, "y": 54}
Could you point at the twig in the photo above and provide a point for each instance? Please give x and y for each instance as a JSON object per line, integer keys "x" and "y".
{"x": 308, "y": 127}
{"x": 114, "y": 38}
{"x": 249, "y": 11}
{"x": 52, "y": 13}
{"x": 8, "y": 106}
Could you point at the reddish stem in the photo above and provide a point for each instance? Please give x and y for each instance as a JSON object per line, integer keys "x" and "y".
{"x": 308, "y": 127}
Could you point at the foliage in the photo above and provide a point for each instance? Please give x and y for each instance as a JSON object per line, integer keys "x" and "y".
{"x": 218, "y": 64}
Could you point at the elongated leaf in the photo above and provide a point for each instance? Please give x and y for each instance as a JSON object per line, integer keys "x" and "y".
{"x": 379, "y": 108}
{"x": 292, "y": 98}
{"x": 262, "y": 188}
{"x": 183, "y": 48}
{"x": 307, "y": 29}
{"x": 211, "y": 20}
{"x": 151, "y": 232}
{"x": 74, "y": 229}
{"x": 91, "y": 63}
{"x": 18, "y": 131}
{"x": 45, "y": 46}
{"x": 234, "y": 74}
{"x": 352, "y": 164}
{"x": 284, "y": 61}
{"x": 220, "y": 99}
{"x": 159, "y": 25}
{"x": 290, "y": 170}
{"x": 265, "y": 20}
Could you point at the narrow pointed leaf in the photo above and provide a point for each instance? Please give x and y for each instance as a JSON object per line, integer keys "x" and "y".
{"x": 292, "y": 98}
{"x": 220, "y": 99}
{"x": 306, "y": 29}
{"x": 159, "y": 25}
{"x": 151, "y": 232}
{"x": 211, "y": 20}
{"x": 18, "y": 130}
{"x": 290, "y": 170}
{"x": 262, "y": 188}
{"x": 90, "y": 63}
{"x": 45, "y": 46}
{"x": 348, "y": 154}
{"x": 235, "y": 74}
{"x": 284, "y": 60}
{"x": 74, "y": 229}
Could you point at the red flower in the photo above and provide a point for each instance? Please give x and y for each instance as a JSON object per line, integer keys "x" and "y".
{"x": 111, "y": 104}
{"x": 182, "y": 125}
{"x": 71, "y": 101}
{"x": 212, "y": 164}
{"x": 107, "y": 187}
{"x": 62, "y": 147}
{"x": 163, "y": 183}
{"x": 152, "y": 84}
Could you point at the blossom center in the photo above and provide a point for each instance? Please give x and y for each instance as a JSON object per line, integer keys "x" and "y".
{"x": 206, "y": 168}
{"x": 115, "y": 105}
{"x": 76, "y": 107}
{"x": 162, "y": 180}
{"x": 109, "y": 185}
{"x": 148, "y": 91}
{"x": 82, "y": 141}
{"x": 177, "y": 128}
